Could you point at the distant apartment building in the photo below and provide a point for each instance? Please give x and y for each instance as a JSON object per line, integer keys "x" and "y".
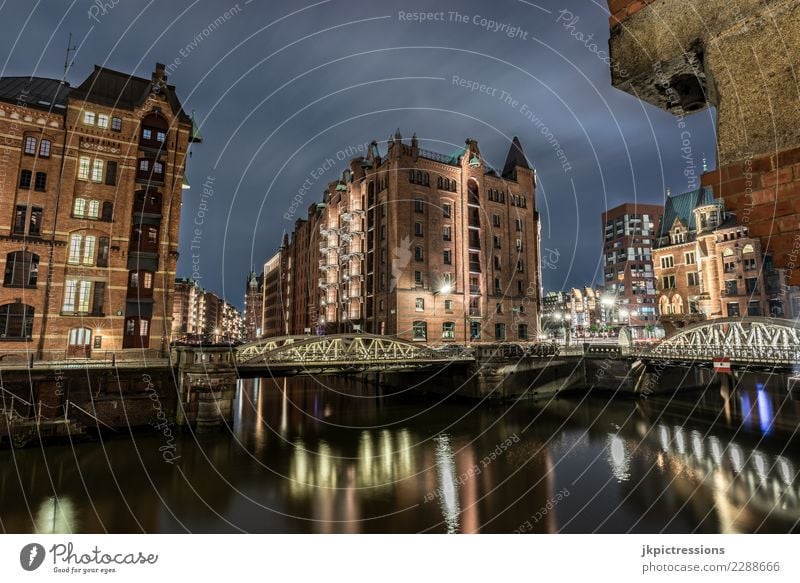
{"x": 91, "y": 182}
{"x": 202, "y": 316}
{"x": 275, "y": 314}
{"x": 707, "y": 265}
{"x": 629, "y": 233}
{"x": 231, "y": 325}
{"x": 426, "y": 246}
{"x": 253, "y": 306}
{"x": 578, "y": 311}
{"x": 188, "y": 310}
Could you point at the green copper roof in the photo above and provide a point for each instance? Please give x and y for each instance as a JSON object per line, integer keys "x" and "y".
{"x": 195, "y": 136}
{"x": 456, "y": 156}
{"x": 681, "y": 206}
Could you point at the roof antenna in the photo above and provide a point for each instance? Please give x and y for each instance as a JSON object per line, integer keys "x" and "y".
{"x": 67, "y": 62}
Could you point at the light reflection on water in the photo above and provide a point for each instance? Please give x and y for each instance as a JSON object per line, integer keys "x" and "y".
{"x": 303, "y": 458}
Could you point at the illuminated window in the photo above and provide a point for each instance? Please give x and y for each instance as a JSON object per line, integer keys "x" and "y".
{"x": 84, "y": 166}
{"x": 30, "y": 145}
{"x": 79, "y": 207}
{"x": 102, "y": 120}
{"x": 448, "y": 331}
{"x": 88, "y": 118}
{"x": 97, "y": 171}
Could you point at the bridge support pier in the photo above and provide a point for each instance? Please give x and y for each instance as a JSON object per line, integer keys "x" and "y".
{"x": 207, "y": 400}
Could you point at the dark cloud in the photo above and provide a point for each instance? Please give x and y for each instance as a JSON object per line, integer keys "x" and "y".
{"x": 276, "y": 98}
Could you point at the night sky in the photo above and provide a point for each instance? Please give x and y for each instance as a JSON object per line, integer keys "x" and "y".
{"x": 278, "y": 88}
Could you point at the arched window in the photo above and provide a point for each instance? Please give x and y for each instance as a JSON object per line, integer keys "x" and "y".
{"x": 677, "y": 304}
{"x": 727, "y": 253}
{"x": 420, "y": 330}
{"x": 411, "y": 176}
{"x": 447, "y": 184}
{"x": 474, "y": 196}
{"x": 419, "y": 177}
{"x": 79, "y": 343}
{"x": 426, "y": 179}
{"x": 22, "y": 269}
{"x": 664, "y": 305}
{"x": 748, "y": 248}
{"x": 79, "y": 207}
{"x": 16, "y": 321}
{"x": 439, "y": 182}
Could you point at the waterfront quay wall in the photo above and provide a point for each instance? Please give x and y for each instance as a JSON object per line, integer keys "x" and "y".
{"x": 68, "y": 401}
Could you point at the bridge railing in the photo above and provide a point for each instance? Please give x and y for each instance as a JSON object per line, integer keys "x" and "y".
{"x": 752, "y": 353}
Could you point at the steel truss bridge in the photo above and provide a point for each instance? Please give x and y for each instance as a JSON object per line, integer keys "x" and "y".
{"x": 766, "y": 342}
{"x": 342, "y": 352}
{"x": 744, "y": 341}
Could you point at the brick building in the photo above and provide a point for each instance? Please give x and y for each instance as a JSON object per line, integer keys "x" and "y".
{"x": 738, "y": 57}
{"x": 708, "y": 266}
{"x": 90, "y": 193}
{"x": 275, "y": 315}
{"x": 576, "y": 314}
{"x": 202, "y": 316}
{"x": 629, "y": 232}
{"x": 417, "y": 244}
{"x": 188, "y": 310}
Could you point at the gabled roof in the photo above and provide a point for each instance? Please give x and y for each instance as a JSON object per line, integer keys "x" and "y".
{"x": 116, "y": 89}
{"x": 38, "y": 92}
{"x": 681, "y": 206}
{"x": 104, "y": 86}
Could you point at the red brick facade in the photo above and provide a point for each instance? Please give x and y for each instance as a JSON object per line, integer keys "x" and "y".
{"x": 764, "y": 193}
{"x": 621, "y": 10}
{"x": 90, "y": 194}
{"x": 420, "y": 245}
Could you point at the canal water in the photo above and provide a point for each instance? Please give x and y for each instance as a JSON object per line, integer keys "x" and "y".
{"x": 329, "y": 455}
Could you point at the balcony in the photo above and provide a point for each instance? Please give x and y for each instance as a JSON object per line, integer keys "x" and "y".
{"x": 149, "y": 204}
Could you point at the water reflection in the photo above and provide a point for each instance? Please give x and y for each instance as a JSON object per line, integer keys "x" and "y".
{"x": 448, "y": 490}
{"x": 56, "y": 516}
{"x": 303, "y": 457}
{"x": 619, "y": 458}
